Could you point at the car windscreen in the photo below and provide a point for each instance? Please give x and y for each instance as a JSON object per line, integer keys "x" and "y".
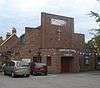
{"x": 22, "y": 64}
{"x": 39, "y": 65}
{"x": 10, "y": 64}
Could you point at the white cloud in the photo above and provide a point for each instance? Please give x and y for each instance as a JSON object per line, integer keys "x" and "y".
{"x": 27, "y": 5}
{"x": 2, "y": 2}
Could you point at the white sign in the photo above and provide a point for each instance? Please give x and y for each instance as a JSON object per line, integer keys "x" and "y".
{"x": 58, "y": 22}
{"x": 26, "y": 60}
{"x": 87, "y": 62}
{"x": 68, "y": 55}
{"x": 67, "y": 50}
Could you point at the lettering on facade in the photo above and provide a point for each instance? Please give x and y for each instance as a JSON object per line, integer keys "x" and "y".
{"x": 58, "y": 22}
{"x": 68, "y": 55}
{"x": 67, "y": 50}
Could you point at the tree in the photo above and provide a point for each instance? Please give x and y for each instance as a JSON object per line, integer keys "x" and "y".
{"x": 96, "y": 15}
{"x": 96, "y": 39}
{"x": 97, "y": 42}
{"x": 90, "y": 45}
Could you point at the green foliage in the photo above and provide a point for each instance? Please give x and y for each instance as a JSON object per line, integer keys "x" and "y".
{"x": 98, "y": 19}
{"x": 95, "y": 42}
{"x": 90, "y": 45}
{"x": 96, "y": 15}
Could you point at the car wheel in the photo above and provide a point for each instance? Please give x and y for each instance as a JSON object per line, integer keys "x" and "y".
{"x": 27, "y": 75}
{"x": 33, "y": 73}
{"x": 12, "y": 74}
{"x": 5, "y": 73}
{"x": 45, "y": 73}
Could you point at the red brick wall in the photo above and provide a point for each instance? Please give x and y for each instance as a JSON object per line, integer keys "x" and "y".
{"x": 50, "y": 32}
{"x": 12, "y": 45}
{"x": 78, "y": 41}
{"x": 46, "y": 37}
{"x": 33, "y": 38}
{"x": 79, "y": 46}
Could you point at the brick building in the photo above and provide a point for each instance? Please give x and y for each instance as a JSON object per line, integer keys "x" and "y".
{"x": 53, "y": 42}
{"x": 9, "y": 48}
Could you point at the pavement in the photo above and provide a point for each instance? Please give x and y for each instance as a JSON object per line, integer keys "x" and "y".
{"x": 70, "y": 80}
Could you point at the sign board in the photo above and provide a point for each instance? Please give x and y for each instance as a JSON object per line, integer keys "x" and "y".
{"x": 68, "y": 55}
{"x": 58, "y": 22}
{"x": 26, "y": 60}
{"x": 67, "y": 50}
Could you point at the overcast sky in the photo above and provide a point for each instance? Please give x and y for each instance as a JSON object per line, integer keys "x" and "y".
{"x": 22, "y": 13}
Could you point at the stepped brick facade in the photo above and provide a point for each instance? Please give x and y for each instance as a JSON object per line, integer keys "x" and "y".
{"x": 53, "y": 42}
{"x": 55, "y": 38}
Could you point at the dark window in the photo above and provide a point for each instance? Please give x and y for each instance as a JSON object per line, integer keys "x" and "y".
{"x": 49, "y": 61}
{"x": 11, "y": 63}
{"x": 37, "y": 59}
{"x": 23, "y": 40}
{"x": 8, "y": 52}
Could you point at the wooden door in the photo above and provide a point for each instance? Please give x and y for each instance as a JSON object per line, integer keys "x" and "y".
{"x": 65, "y": 64}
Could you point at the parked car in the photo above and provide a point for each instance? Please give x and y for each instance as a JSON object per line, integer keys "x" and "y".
{"x": 38, "y": 68}
{"x": 16, "y": 68}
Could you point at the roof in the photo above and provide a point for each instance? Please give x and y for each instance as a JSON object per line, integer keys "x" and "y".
{"x": 7, "y": 39}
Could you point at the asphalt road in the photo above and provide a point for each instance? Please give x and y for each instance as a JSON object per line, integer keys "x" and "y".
{"x": 75, "y": 80}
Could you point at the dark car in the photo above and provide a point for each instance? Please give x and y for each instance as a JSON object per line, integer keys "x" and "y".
{"x": 38, "y": 68}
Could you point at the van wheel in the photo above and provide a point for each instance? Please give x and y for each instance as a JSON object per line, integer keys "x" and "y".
{"x": 5, "y": 73}
{"x": 12, "y": 74}
{"x": 33, "y": 73}
{"x": 27, "y": 75}
{"x": 45, "y": 73}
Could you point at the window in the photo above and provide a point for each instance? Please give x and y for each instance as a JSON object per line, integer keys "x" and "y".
{"x": 49, "y": 61}
{"x": 37, "y": 59}
{"x": 23, "y": 40}
{"x": 10, "y": 63}
{"x": 87, "y": 60}
{"x": 8, "y": 52}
